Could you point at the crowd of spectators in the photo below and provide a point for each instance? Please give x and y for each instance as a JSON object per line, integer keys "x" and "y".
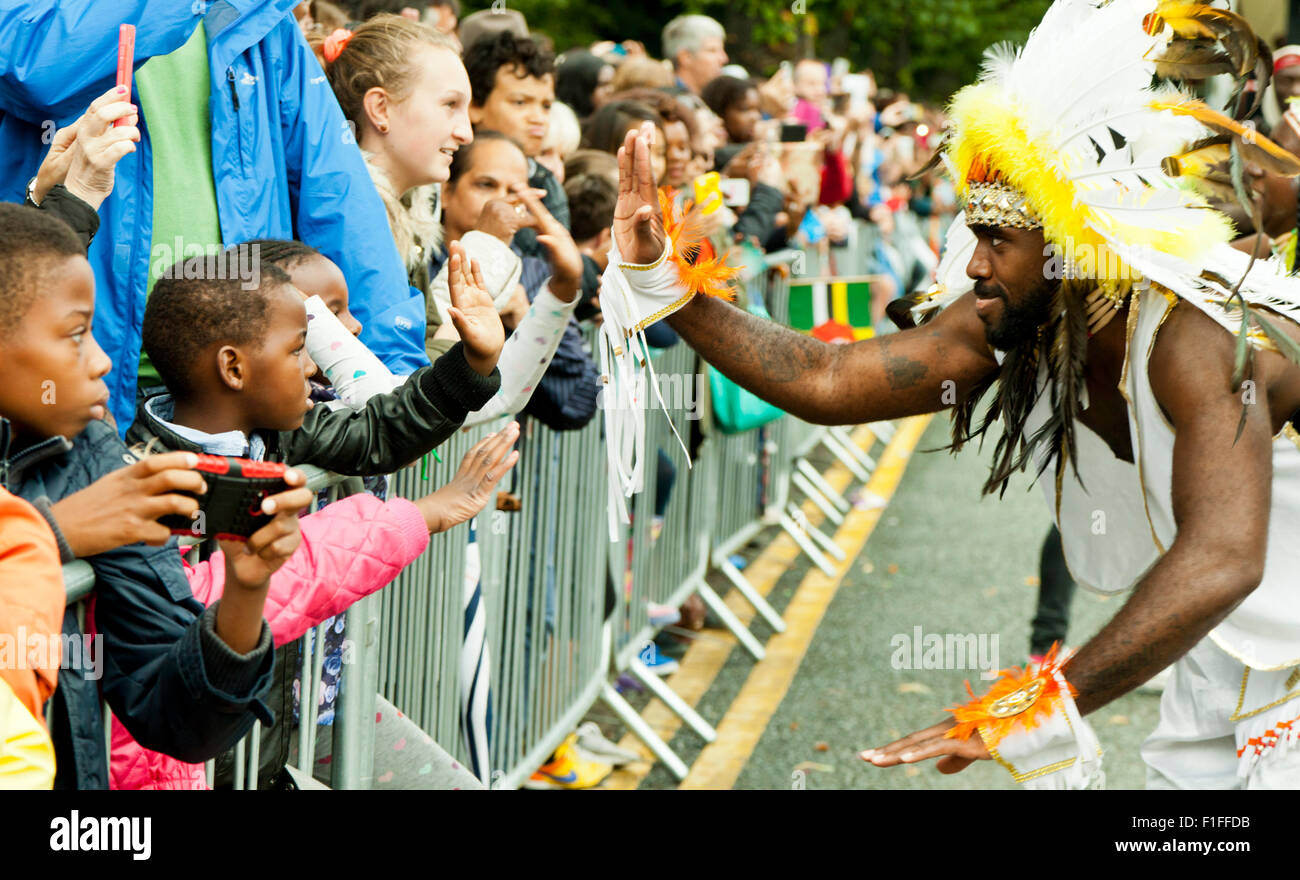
{"x": 288, "y": 191}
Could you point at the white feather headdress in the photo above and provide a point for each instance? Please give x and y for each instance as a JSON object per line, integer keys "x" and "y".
{"x": 1115, "y": 169}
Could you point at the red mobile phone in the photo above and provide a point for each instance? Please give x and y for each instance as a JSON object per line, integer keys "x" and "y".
{"x": 125, "y": 60}
{"x": 231, "y": 509}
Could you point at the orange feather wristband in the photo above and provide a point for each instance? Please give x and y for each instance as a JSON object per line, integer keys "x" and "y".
{"x": 1020, "y": 699}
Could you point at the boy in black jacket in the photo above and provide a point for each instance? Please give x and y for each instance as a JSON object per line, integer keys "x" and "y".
{"x": 233, "y": 360}
{"x": 234, "y": 363}
{"x": 183, "y": 680}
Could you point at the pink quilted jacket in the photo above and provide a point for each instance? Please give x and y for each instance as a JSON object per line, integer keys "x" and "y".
{"x": 350, "y": 549}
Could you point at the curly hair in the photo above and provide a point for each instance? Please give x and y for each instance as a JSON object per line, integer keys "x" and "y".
{"x": 201, "y": 302}
{"x": 525, "y": 56}
{"x": 724, "y": 92}
{"x": 31, "y": 241}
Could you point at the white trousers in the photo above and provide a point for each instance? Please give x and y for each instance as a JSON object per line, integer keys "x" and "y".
{"x": 1195, "y": 744}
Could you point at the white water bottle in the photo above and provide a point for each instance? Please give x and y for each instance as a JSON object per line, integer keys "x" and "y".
{"x": 354, "y": 371}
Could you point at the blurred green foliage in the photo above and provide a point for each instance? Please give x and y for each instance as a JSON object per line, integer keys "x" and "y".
{"x": 927, "y": 48}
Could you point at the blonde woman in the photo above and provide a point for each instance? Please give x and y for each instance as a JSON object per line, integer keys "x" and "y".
{"x": 404, "y": 90}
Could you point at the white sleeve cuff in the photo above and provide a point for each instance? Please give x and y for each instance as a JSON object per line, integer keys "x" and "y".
{"x": 1060, "y": 752}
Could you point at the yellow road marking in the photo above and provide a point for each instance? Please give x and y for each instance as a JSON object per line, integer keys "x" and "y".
{"x": 720, "y": 762}
{"x": 706, "y": 656}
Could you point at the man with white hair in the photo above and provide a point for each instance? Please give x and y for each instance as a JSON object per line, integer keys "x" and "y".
{"x": 694, "y": 44}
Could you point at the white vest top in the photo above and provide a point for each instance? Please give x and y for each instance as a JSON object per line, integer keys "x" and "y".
{"x": 1114, "y": 530}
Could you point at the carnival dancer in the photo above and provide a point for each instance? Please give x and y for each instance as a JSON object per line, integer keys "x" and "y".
{"x": 1143, "y": 366}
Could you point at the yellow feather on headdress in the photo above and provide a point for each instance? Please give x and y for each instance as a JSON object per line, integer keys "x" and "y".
{"x": 990, "y": 142}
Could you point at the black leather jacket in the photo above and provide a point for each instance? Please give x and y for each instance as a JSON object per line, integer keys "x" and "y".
{"x": 390, "y": 432}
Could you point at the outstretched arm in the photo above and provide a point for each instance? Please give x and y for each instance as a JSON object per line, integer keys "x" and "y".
{"x": 1221, "y": 497}
{"x": 883, "y": 378}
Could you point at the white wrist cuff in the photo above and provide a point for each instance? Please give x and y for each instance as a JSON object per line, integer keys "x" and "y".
{"x": 1060, "y": 752}
{"x": 632, "y": 297}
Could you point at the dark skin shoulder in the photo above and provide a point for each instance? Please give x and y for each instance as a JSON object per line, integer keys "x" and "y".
{"x": 1222, "y": 489}
{"x": 1188, "y": 335}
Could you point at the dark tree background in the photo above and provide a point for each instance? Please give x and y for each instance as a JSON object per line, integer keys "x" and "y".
{"x": 928, "y": 48}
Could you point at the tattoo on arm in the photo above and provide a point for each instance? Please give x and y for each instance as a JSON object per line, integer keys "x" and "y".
{"x": 902, "y": 371}
{"x": 781, "y": 355}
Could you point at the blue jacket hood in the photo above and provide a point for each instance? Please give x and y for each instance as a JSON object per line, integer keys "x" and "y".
{"x": 285, "y": 162}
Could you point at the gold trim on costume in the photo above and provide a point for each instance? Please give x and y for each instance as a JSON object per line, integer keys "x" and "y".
{"x": 1019, "y": 777}
{"x": 1137, "y": 423}
{"x": 1241, "y": 697}
{"x": 1289, "y": 431}
{"x": 995, "y": 204}
{"x": 638, "y": 267}
{"x": 661, "y": 314}
{"x": 1246, "y": 661}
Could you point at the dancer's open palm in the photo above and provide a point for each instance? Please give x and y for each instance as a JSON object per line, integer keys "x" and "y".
{"x": 638, "y": 220}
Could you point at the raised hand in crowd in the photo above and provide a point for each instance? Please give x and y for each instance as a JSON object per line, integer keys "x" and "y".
{"x": 473, "y": 312}
{"x": 638, "y": 219}
{"x": 470, "y": 490}
{"x": 566, "y": 259}
{"x": 776, "y": 95}
{"x": 502, "y": 218}
{"x": 124, "y": 506}
{"x": 250, "y": 564}
{"x": 83, "y": 155}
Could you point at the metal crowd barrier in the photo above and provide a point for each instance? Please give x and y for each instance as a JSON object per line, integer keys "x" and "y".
{"x": 543, "y": 579}
{"x": 544, "y": 572}
{"x": 739, "y": 484}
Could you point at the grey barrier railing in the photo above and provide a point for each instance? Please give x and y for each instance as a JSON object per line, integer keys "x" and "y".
{"x": 544, "y": 571}
{"x": 543, "y": 581}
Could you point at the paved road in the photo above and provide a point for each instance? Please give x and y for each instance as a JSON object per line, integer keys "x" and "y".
{"x": 946, "y": 561}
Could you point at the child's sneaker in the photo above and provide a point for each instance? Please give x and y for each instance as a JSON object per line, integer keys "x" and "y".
{"x": 592, "y": 746}
{"x": 662, "y": 615}
{"x": 567, "y": 769}
{"x": 656, "y": 661}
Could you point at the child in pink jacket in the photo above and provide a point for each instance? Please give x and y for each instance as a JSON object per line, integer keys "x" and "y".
{"x": 350, "y": 549}
{"x": 241, "y": 379}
